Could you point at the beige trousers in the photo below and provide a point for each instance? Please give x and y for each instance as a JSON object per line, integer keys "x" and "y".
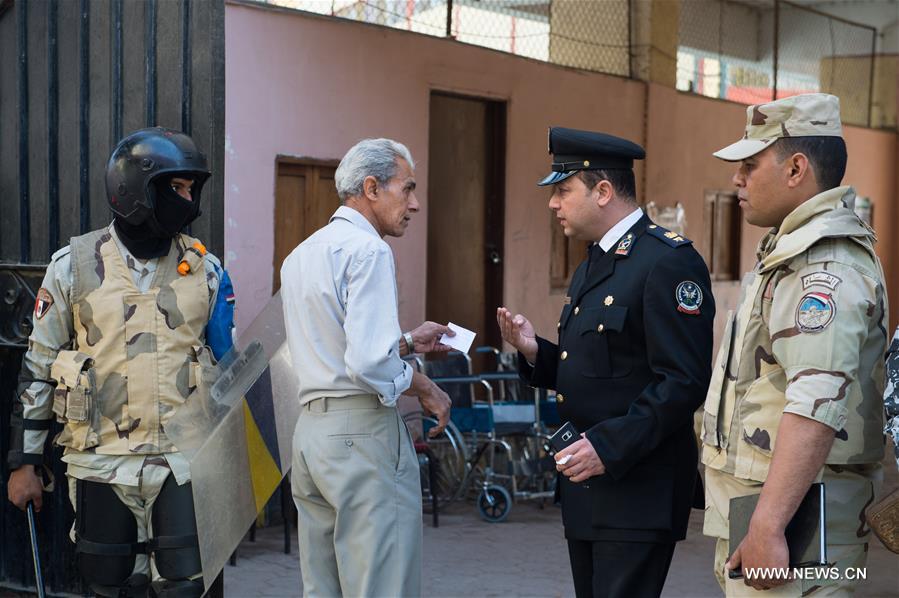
{"x": 357, "y": 490}
{"x": 837, "y": 581}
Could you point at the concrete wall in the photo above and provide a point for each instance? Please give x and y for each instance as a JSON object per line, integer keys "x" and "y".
{"x": 307, "y": 86}
{"x": 311, "y": 87}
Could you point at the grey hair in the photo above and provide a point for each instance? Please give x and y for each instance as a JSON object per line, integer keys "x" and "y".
{"x": 369, "y": 157}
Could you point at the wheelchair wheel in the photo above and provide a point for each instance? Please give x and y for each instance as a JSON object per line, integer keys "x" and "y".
{"x": 494, "y": 504}
{"x": 450, "y": 458}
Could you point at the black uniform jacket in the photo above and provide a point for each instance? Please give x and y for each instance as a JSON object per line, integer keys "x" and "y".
{"x": 632, "y": 365}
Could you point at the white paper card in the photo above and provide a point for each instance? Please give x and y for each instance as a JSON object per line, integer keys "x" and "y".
{"x": 462, "y": 341}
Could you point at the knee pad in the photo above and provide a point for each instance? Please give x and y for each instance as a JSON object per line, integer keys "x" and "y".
{"x": 174, "y": 542}
{"x": 106, "y": 536}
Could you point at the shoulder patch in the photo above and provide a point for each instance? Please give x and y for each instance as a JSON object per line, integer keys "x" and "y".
{"x": 669, "y": 237}
{"x": 689, "y": 297}
{"x": 825, "y": 279}
{"x": 42, "y": 303}
{"x": 814, "y": 312}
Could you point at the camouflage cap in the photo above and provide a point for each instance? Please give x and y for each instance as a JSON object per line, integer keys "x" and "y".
{"x": 806, "y": 115}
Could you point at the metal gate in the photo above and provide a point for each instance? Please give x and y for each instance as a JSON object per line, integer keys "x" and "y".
{"x": 75, "y": 77}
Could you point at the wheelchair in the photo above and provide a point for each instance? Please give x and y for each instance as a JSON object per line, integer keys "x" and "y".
{"x": 494, "y": 450}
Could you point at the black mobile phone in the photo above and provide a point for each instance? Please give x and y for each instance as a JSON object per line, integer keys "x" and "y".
{"x": 564, "y": 437}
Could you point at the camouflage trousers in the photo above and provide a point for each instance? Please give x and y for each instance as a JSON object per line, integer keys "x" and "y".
{"x": 139, "y": 500}
{"x": 837, "y": 580}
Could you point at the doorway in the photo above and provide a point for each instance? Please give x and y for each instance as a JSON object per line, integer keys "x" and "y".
{"x": 466, "y": 197}
{"x": 305, "y": 199}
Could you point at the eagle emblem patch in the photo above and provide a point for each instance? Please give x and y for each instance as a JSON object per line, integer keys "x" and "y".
{"x": 42, "y": 303}
{"x": 815, "y": 312}
{"x": 689, "y": 297}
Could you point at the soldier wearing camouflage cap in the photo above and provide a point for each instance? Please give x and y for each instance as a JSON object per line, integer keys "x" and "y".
{"x": 124, "y": 324}
{"x": 796, "y": 392}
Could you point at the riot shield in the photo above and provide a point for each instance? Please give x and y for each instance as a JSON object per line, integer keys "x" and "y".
{"x": 236, "y": 432}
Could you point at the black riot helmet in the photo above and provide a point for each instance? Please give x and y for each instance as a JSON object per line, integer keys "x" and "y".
{"x": 140, "y": 160}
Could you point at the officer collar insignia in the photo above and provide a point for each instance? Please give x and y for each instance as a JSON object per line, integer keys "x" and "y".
{"x": 815, "y": 312}
{"x": 608, "y": 300}
{"x": 42, "y": 303}
{"x": 625, "y": 245}
{"x": 689, "y": 297}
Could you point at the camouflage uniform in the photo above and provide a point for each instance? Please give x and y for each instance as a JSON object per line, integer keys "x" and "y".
{"x": 123, "y": 339}
{"x": 808, "y": 338}
{"x": 891, "y": 394}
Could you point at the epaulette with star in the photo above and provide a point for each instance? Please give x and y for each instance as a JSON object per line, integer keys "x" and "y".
{"x": 670, "y": 237}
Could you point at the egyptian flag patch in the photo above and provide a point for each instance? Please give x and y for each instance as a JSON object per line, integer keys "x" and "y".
{"x": 42, "y": 303}
{"x": 230, "y": 298}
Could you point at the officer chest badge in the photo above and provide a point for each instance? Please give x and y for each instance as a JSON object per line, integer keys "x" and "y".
{"x": 624, "y": 246}
{"x": 815, "y": 312}
{"x": 689, "y": 297}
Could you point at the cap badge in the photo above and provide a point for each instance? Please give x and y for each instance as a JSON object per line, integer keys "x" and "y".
{"x": 586, "y": 162}
{"x": 689, "y": 297}
{"x": 815, "y": 312}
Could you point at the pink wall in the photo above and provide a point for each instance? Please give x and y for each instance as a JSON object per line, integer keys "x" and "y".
{"x": 306, "y": 86}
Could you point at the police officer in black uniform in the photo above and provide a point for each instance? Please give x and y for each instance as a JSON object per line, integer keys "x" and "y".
{"x": 632, "y": 364}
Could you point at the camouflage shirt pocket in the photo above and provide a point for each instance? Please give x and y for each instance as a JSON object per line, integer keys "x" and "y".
{"x": 759, "y": 413}
{"x": 73, "y": 399}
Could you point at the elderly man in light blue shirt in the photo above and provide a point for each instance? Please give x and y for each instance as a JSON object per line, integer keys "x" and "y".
{"x": 355, "y": 474}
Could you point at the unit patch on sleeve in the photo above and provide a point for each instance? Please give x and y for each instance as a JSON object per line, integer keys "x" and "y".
{"x": 825, "y": 279}
{"x": 689, "y": 297}
{"x": 42, "y": 303}
{"x": 815, "y": 312}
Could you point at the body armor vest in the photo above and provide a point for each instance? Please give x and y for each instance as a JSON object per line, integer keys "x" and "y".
{"x": 134, "y": 358}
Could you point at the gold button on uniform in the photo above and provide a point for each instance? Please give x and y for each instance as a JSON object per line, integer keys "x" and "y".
{"x": 600, "y": 328}
{"x": 564, "y": 355}
{"x": 577, "y": 310}
{"x": 560, "y": 398}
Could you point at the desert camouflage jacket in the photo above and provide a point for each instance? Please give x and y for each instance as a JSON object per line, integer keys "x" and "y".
{"x": 808, "y": 338}
{"x": 122, "y": 355}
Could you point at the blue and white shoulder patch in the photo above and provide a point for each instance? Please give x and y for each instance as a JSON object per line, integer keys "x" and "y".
{"x": 670, "y": 237}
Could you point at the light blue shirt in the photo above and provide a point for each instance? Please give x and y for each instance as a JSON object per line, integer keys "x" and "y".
{"x": 339, "y": 293}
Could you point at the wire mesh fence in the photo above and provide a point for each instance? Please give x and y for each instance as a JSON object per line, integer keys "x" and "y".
{"x": 746, "y": 51}
{"x": 755, "y": 52}
{"x": 588, "y": 34}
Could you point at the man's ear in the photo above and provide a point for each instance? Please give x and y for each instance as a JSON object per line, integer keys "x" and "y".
{"x": 798, "y": 170}
{"x": 604, "y": 192}
{"x": 370, "y": 188}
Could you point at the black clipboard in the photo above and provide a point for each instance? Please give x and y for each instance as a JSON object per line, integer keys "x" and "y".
{"x": 805, "y": 534}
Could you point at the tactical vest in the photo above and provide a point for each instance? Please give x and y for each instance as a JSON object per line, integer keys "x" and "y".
{"x": 134, "y": 357}
{"x": 748, "y": 392}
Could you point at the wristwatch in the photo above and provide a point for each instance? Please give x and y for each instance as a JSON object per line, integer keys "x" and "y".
{"x": 410, "y": 344}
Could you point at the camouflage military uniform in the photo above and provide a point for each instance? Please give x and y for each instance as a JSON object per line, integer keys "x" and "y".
{"x": 123, "y": 340}
{"x": 891, "y": 394}
{"x": 808, "y": 338}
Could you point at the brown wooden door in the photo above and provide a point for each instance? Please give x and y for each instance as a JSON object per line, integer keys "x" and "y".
{"x": 305, "y": 198}
{"x": 466, "y": 172}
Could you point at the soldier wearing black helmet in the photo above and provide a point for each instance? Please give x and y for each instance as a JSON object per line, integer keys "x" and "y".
{"x": 128, "y": 320}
